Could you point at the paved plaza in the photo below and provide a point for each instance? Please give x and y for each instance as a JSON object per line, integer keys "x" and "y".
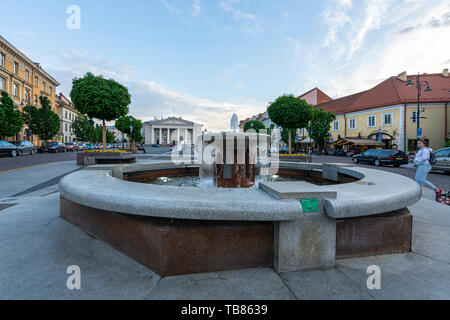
{"x": 38, "y": 246}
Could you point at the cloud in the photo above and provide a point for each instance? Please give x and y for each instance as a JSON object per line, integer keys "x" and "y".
{"x": 171, "y": 8}
{"x": 149, "y": 98}
{"x": 335, "y": 17}
{"x": 296, "y": 45}
{"x": 196, "y": 8}
{"x": 249, "y": 22}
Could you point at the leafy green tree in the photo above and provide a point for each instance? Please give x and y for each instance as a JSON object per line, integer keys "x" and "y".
{"x": 11, "y": 120}
{"x": 81, "y": 128}
{"x": 291, "y": 113}
{"x": 320, "y": 126}
{"x": 255, "y": 125}
{"x": 100, "y": 98}
{"x": 47, "y": 122}
{"x": 125, "y": 123}
{"x": 30, "y": 115}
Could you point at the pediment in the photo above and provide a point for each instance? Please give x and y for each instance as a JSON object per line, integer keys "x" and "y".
{"x": 172, "y": 122}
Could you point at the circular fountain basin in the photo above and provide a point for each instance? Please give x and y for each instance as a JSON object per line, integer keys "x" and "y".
{"x": 177, "y": 230}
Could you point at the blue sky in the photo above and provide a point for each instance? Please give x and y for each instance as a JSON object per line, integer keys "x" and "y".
{"x": 207, "y": 59}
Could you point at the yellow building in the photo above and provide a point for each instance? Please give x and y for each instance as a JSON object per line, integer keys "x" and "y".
{"x": 25, "y": 81}
{"x": 390, "y": 109}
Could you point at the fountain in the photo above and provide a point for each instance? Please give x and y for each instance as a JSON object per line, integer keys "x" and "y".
{"x": 322, "y": 212}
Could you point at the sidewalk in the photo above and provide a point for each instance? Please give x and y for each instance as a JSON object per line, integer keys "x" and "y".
{"x": 38, "y": 246}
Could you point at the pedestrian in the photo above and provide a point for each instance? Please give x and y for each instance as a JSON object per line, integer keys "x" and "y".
{"x": 422, "y": 162}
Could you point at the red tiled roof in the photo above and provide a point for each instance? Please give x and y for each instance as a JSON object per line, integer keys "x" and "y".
{"x": 321, "y": 96}
{"x": 390, "y": 92}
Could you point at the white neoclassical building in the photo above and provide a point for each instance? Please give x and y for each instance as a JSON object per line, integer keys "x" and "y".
{"x": 171, "y": 130}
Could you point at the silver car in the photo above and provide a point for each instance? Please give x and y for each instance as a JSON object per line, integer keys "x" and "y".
{"x": 443, "y": 160}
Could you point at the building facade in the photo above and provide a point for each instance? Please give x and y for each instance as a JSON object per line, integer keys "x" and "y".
{"x": 67, "y": 113}
{"x": 25, "y": 81}
{"x": 171, "y": 130}
{"x": 119, "y": 136}
{"x": 389, "y": 110}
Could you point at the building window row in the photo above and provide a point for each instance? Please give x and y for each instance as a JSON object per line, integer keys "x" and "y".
{"x": 2, "y": 60}
{"x": 2, "y": 84}
{"x": 352, "y": 123}
{"x": 336, "y": 125}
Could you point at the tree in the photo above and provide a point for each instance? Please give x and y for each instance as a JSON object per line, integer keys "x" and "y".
{"x": 11, "y": 119}
{"x": 125, "y": 123}
{"x": 46, "y": 123}
{"x": 285, "y": 136}
{"x": 30, "y": 116}
{"x": 81, "y": 128}
{"x": 320, "y": 126}
{"x": 100, "y": 98}
{"x": 290, "y": 113}
{"x": 255, "y": 125}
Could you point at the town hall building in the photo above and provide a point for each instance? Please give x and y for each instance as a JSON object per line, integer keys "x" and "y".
{"x": 172, "y": 130}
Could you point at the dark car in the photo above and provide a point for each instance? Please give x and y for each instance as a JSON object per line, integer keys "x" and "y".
{"x": 53, "y": 147}
{"x": 25, "y": 147}
{"x": 379, "y": 157}
{"x": 8, "y": 148}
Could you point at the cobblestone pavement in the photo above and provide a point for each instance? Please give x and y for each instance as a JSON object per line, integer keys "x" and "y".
{"x": 437, "y": 178}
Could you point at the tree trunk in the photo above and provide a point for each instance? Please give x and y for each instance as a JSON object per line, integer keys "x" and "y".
{"x": 104, "y": 135}
{"x": 289, "y": 141}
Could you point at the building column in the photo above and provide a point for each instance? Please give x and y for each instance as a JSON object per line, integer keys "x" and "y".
{"x": 178, "y": 135}
{"x": 186, "y": 136}
{"x": 168, "y": 136}
{"x": 160, "y": 135}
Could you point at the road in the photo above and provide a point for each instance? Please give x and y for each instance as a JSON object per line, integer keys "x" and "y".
{"x": 8, "y": 163}
{"x": 437, "y": 178}
{"x": 441, "y": 180}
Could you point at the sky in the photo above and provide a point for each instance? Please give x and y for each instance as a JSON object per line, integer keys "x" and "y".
{"x": 204, "y": 60}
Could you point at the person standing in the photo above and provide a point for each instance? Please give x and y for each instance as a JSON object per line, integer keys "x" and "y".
{"x": 422, "y": 162}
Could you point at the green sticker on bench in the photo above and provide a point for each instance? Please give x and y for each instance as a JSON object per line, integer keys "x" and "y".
{"x": 310, "y": 205}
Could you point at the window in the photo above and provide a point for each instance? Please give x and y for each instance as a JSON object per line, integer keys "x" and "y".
{"x": 2, "y": 84}
{"x": 35, "y": 99}
{"x": 16, "y": 67}
{"x": 336, "y": 125}
{"x": 442, "y": 153}
{"x": 2, "y": 60}
{"x": 27, "y": 96}
{"x": 387, "y": 119}
{"x": 65, "y": 127}
{"x": 36, "y": 81}
{"x": 43, "y": 86}
{"x": 65, "y": 116}
{"x": 352, "y": 123}
{"x": 26, "y": 76}
{"x": 16, "y": 90}
{"x": 50, "y": 90}
{"x": 371, "y": 121}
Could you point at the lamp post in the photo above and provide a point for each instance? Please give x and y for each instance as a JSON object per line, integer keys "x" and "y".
{"x": 419, "y": 92}
{"x": 91, "y": 126}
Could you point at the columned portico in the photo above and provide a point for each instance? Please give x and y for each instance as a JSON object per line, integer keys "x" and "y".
{"x": 167, "y": 131}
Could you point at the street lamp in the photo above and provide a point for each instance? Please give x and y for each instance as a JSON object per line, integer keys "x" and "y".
{"x": 419, "y": 92}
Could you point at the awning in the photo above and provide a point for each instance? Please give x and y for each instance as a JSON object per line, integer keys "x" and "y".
{"x": 307, "y": 140}
{"x": 356, "y": 142}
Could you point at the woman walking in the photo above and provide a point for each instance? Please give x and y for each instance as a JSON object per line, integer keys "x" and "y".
{"x": 422, "y": 162}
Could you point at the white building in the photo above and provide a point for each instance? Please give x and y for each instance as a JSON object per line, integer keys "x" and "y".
{"x": 171, "y": 130}
{"x": 118, "y": 135}
{"x": 68, "y": 114}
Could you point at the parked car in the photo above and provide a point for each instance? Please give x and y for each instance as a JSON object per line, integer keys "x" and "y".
{"x": 82, "y": 147}
{"x": 155, "y": 145}
{"x": 284, "y": 150}
{"x": 379, "y": 157}
{"x": 443, "y": 160}
{"x": 53, "y": 147}
{"x": 72, "y": 146}
{"x": 8, "y": 148}
{"x": 24, "y": 147}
